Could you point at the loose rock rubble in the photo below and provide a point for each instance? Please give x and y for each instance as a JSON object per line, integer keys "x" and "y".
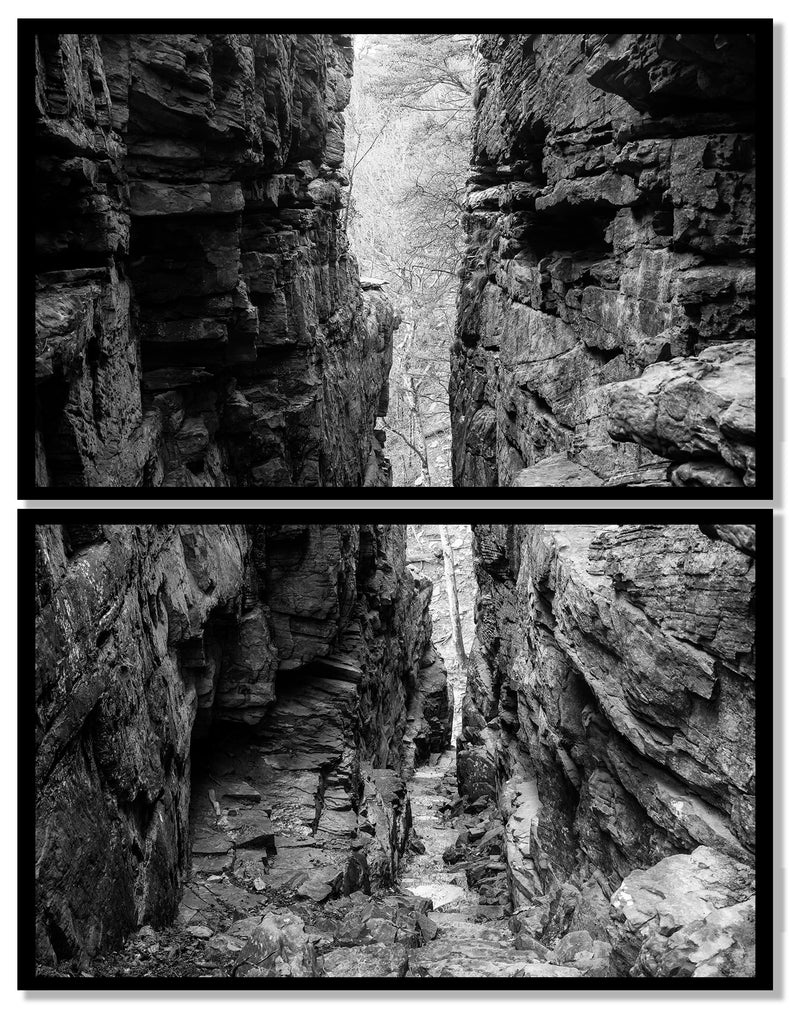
{"x": 445, "y": 919}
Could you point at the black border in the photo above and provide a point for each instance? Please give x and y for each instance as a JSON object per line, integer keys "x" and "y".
{"x": 762, "y": 27}
{"x": 29, "y": 519}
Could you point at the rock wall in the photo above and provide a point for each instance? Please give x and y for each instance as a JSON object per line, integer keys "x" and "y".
{"x": 606, "y": 311}
{"x": 199, "y": 318}
{"x": 312, "y": 644}
{"x": 610, "y": 712}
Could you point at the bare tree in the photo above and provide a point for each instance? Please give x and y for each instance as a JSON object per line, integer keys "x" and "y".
{"x": 408, "y": 141}
{"x": 452, "y": 597}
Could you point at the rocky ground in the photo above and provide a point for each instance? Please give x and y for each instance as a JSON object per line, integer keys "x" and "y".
{"x": 267, "y": 893}
{"x": 264, "y": 895}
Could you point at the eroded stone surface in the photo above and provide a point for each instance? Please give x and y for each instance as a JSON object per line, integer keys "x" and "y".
{"x": 610, "y": 713}
{"x": 199, "y": 317}
{"x": 610, "y": 238}
{"x": 701, "y": 407}
{"x": 262, "y": 681}
{"x": 688, "y": 916}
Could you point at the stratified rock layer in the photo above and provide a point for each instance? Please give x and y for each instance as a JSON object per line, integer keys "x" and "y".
{"x": 610, "y": 712}
{"x": 311, "y": 644}
{"x": 610, "y": 227}
{"x": 199, "y": 318}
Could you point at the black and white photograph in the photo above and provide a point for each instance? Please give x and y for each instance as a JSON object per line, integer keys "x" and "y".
{"x": 478, "y": 256}
{"x": 382, "y": 551}
{"x": 334, "y": 753}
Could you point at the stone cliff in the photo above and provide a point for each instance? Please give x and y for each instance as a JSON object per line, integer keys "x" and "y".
{"x": 199, "y": 318}
{"x": 609, "y": 713}
{"x": 606, "y": 312}
{"x": 246, "y": 699}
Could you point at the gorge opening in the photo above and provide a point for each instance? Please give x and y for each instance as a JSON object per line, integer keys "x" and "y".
{"x": 407, "y": 151}
{"x": 315, "y": 257}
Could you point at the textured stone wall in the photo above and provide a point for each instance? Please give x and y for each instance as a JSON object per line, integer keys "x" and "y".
{"x": 606, "y": 311}
{"x": 199, "y": 318}
{"x": 610, "y": 711}
{"x": 149, "y": 637}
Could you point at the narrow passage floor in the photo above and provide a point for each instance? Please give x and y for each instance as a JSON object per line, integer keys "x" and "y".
{"x": 266, "y": 894}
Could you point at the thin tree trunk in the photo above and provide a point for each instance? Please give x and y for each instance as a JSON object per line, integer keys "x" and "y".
{"x": 415, "y": 535}
{"x": 411, "y": 389}
{"x": 452, "y": 596}
{"x": 347, "y": 210}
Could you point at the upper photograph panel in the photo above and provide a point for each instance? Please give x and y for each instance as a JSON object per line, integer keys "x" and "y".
{"x": 485, "y": 260}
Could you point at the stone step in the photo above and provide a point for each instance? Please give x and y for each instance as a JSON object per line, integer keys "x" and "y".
{"x": 480, "y": 959}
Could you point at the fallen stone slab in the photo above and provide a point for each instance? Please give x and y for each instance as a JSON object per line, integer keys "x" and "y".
{"x": 238, "y": 789}
{"x": 253, "y": 829}
{"x": 211, "y": 864}
{"x": 322, "y": 884}
{"x": 481, "y": 959}
{"x": 694, "y": 406}
{"x": 376, "y": 961}
{"x": 212, "y": 843}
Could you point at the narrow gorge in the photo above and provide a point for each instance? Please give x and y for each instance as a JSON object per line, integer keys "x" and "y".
{"x": 245, "y": 765}
{"x": 200, "y": 319}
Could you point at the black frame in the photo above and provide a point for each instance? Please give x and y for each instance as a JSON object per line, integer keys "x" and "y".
{"x": 765, "y": 865}
{"x": 767, "y": 452}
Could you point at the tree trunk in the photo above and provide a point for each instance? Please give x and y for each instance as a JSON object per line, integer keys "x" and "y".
{"x": 412, "y": 400}
{"x": 452, "y": 596}
{"x": 417, "y": 537}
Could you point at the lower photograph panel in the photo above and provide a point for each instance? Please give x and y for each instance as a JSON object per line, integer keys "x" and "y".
{"x": 331, "y": 753}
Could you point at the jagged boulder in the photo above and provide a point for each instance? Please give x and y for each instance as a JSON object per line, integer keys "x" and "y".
{"x": 687, "y": 916}
{"x": 701, "y": 407}
{"x": 278, "y": 948}
{"x": 588, "y": 955}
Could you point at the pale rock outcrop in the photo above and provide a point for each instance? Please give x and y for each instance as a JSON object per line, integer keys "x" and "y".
{"x": 278, "y": 948}
{"x": 701, "y": 408}
{"x": 688, "y": 916}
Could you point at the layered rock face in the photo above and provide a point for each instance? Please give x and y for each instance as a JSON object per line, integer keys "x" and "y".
{"x": 606, "y": 312}
{"x": 199, "y": 318}
{"x": 610, "y": 713}
{"x": 298, "y": 657}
